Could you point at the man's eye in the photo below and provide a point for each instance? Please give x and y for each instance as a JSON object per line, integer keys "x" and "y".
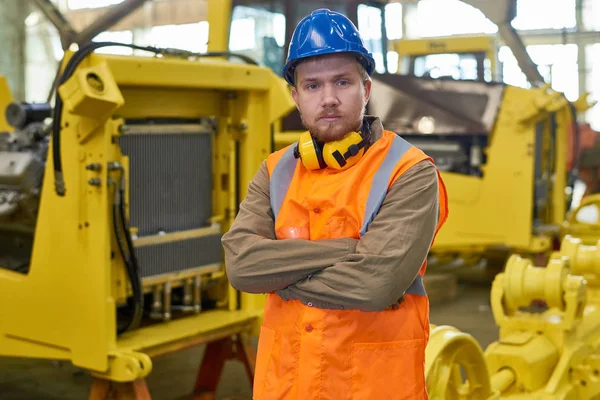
{"x": 343, "y": 83}
{"x": 311, "y": 87}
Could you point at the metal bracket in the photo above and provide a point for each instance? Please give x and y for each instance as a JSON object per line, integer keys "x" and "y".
{"x": 126, "y": 366}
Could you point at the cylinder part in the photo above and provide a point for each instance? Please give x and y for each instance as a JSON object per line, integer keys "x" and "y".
{"x": 20, "y": 115}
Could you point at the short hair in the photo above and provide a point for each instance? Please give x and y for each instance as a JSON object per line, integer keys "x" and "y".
{"x": 364, "y": 76}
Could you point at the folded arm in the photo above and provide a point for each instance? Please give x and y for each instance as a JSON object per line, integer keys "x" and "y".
{"x": 388, "y": 257}
{"x": 256, "y": 262}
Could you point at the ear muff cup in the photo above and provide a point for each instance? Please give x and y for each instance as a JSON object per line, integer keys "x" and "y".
{"x": 344, "y": 153}
{"x": 310, "y": 152}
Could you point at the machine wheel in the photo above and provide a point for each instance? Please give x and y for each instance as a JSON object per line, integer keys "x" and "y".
{"x": 455, "y": 367}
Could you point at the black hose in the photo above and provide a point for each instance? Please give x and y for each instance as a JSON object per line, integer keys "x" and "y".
{"x": 121, "y": 328}
{"x": 76, "y": 59}
{"x": 133, "y": 270}
{"x": 135, "y": 304}
{"x": 576, "y": 140}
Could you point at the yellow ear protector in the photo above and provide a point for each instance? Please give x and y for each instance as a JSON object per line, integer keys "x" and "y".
{"x": 340, "y": 154}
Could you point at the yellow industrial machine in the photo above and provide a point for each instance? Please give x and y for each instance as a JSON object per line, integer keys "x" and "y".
{"x": 479, "y": 205}
{"x": 111, "y": 216}
{"x": 547, "y": 351}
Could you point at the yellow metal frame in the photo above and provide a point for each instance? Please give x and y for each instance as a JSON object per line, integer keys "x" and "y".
{"x": 5, "y": 100}
{"x": 412, "y": 48}
{"x": 65, "y": 307}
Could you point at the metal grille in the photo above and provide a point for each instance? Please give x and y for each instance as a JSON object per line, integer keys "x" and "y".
{"x": 179, "y": 255}
{"x": 170, "y": 177}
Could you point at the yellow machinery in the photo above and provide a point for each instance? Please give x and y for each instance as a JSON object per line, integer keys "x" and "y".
{"x": 5, "y": 100}
{"x": 111, "y": 217}
{"x": 501, "y": 150}
{"x": 547, "y": 351}
{"x": 510, "y": 205}
{"x": 583, "y": 221}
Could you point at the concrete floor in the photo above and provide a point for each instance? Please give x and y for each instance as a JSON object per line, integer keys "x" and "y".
{"x": 173, "y": 375}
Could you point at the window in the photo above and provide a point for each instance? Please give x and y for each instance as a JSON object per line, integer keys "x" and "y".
{"x": 79, "y": 4}
{"x": 42, "y": 52}
{"x": 392, "y": 61}
{"x": 591, "y": 15}
{"x": 240, "y": 39}
{"x": 369, "y": 26}
{"x": 259, "y": 34}
{"x": 556, "y": 63}
{"x": 446, "y": 17}
{"x": 115, "y": 36}
{"x": 393, "y": 20}
{"x": 457, "y": 66}
{"x": 545, "y": 14}
{"x": 191, "y": 37}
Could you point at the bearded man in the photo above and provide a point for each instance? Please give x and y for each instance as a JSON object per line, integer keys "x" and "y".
{"x": 336, "y": 229}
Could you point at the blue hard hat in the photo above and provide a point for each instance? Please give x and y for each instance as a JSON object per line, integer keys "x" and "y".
{"x": 325, "y": 32}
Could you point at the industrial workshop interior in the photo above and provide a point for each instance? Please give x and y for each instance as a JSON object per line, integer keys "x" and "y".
{"x": 130, "y": 131}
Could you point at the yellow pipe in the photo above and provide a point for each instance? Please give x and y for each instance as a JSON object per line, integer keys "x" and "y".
{"x": 231, "y": 212}
{"x": 219, "y": 21}
{"x": 285, "y": 139}
{"x": 502, "y": 380}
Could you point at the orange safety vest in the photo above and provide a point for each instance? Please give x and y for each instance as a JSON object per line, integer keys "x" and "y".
{"x": 309, "y": 353}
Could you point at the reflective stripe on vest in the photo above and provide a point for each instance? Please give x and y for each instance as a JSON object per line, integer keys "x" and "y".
{"x": 281, "y": 179}
{"x": 283, "y": 173}
{"x": 379, "y": 185}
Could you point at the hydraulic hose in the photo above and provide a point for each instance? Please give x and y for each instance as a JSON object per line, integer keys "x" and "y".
{"x": 123, "y": 237}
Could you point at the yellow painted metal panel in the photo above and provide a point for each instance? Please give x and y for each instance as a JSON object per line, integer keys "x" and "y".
{"x": 65, "y": 307}
{"x": 5, "y": 100}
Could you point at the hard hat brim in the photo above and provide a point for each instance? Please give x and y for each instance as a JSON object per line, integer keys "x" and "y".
{"x": 291, "y": 65}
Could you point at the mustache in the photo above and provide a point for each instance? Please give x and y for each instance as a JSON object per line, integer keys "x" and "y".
{"x": 328, "y": 113}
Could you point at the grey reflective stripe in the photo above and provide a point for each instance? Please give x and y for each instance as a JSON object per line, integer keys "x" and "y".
{"x": 281, "y": 179}
{"x": 416, "y": 287}
{"x": 379, "y": 185}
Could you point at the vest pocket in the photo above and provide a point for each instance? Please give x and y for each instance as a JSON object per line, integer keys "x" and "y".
{"x": 389, "y": 370}
{"x": 266, "y": 340}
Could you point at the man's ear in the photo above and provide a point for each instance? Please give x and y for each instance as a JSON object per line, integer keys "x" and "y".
{"x": 367, "y": 89}
{"x": 295, "y": 97}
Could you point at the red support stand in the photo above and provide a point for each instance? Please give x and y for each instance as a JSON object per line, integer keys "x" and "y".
{"x": 235, "y": 347}
{"x": 102, "y": 389}
{"x": 217, "y": 353}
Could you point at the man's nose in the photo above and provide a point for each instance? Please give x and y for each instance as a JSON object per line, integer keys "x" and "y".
{"x": 330, "y": 98}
